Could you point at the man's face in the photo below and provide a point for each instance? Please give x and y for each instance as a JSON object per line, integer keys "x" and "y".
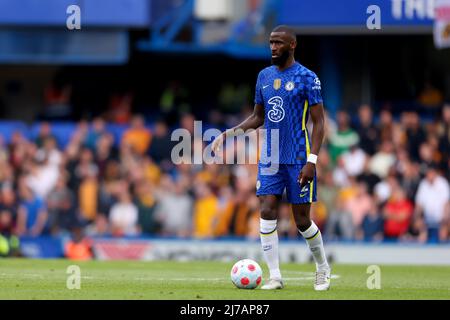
{"x": 281, "y": 47}
{"x": 431, "y": 175}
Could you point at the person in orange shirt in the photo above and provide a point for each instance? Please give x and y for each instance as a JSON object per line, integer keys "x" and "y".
{"x": 80, "y": 248}
{"x": 205, "y": 211}
{"x": 88, "y": 196}
{"x": 138, "y": 137}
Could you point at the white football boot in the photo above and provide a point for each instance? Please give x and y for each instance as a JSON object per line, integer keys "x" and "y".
{"x": 273, "y": 284}
{"x": 322, "y": 281}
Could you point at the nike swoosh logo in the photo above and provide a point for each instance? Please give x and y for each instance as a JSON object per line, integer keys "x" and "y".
{"x": 266, "y": 86}
{"x": 303, "y": 194}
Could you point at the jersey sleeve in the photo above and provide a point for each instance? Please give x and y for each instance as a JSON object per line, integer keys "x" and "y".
{"x": 258, "y": 94}
{"x": 313, "y": 89}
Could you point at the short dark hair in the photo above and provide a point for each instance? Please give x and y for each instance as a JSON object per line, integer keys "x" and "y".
{"x": 286, "y": 29}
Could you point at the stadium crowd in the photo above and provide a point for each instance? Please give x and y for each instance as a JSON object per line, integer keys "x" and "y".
{"x": 380, "y": 177}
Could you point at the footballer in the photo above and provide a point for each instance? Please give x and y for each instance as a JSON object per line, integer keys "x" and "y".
{"x": 287, "y": 94}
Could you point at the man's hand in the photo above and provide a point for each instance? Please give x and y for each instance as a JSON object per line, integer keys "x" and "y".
{"x": 306, "y": 175}
{"x": 218, "y": 142}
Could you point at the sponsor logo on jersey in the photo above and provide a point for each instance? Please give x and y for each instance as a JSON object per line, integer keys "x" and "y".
{"x": 318, "y": 84}
{"x": 276, "y": 114}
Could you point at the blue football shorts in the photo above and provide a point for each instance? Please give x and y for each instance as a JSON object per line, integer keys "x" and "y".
{"x": 274, "y": 180}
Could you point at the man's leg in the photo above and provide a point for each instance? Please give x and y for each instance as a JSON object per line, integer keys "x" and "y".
{"x": 269, "y": 239}
{"x": 309, "y": 230}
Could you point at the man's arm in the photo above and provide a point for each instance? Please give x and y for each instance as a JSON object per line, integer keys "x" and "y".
{"x": 254, "y": 121}
{"x": 317, "y": 116}
{"x": 39, "y": 226}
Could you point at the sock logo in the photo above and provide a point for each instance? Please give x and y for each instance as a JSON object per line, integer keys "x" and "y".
{"x": 267, "y": 247}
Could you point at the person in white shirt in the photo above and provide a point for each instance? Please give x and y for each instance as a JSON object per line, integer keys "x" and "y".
{"x": 354, "y": 160}
{"x": 432, "y": 199}
{"x": 124, "y": 216}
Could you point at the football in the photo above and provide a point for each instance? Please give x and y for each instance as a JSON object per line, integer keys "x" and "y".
{"x": 246, "y": 274}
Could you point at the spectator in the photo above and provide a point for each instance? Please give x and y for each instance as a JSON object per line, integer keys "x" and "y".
{"x": 397, "y": 214}
{"x": 327, "y": 191}
{"x": 146, "y": 204}
{"x": 386, "y": 126}
{"x": 431, "y": 201}
{"x": 344, "y": 138}
{"x": 205, "y": 211}
{"x": 369, "y": 178}
{"x": 372, "y": 225}
{"x": 410, "y": 179}
{"x": 61, "y": 208}
{"x": 444, "y": 232}
{"x": 6, "y": 222}
{"x": 110, "y": 187}
{"x": 444, "y": 133}
{"x": 88, "y": 195}
{"x": 235, "y": 219}
{"x": 161, "y": 146}
{"x": 359, "y": 203}
{"x": 8, "y": 201}
{"x": 124, "y": 216}
{"x": 414, "y": 133}
{"x": 174, "y": 208}
{"x": 367, "y": 131}
{"x": 80, "y": 247}
{"x": 104, "y": 152}
{"x": 42, "y": 175}
{"x": 97, "y": 130}
{"x": 340, "y": 175}
{"x": 340, "y": 222}
{"x": 50, "y": 152}
{"x": 137, "y": 137}
{"x": 354, "y": 160}
{"x": 32, "y": 221}
{"x": 383, "y": 160}
{"x": 383, "y": 189}
{"x": 100, "y": 227}
{"x": 45, "y": 131}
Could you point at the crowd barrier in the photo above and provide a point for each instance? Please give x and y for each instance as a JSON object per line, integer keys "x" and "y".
{"x": 296, "y": 251}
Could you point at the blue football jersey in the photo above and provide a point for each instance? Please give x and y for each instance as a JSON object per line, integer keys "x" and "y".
{"x": 287, "y": 96}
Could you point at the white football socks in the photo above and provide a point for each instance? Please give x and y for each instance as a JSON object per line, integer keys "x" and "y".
{"x": 269, "y": 243}
{"x": 313, "y": 237}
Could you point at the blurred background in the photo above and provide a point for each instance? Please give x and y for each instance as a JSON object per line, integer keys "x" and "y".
{"x": 86, "y": 116}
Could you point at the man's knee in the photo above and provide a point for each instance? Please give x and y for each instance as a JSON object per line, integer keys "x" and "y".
{"x": 303, "y": 223}
{"x": 268, "y": 209}
{"x": 302, "y": 218}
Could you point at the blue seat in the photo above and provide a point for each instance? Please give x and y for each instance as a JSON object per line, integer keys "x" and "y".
{"x": 8, "y": 128}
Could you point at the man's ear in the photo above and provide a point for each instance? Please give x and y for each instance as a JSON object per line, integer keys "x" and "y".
{"x": 293, "y": 44}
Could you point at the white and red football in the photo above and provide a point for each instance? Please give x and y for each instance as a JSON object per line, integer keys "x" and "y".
{"x": 246, "y": 274}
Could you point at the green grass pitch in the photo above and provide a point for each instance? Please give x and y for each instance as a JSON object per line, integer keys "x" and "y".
{"x": 167, "y": 280}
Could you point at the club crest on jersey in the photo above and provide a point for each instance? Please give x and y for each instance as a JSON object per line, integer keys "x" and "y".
{"x": 277, "y": 84}
{"x": 289, "y": 86}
